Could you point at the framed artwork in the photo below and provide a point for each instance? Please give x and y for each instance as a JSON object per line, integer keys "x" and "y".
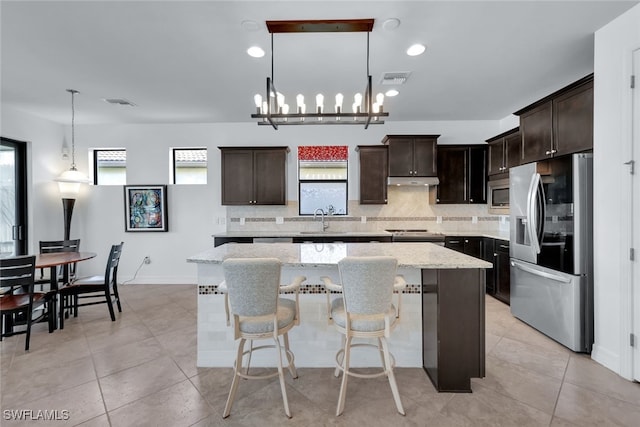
{"x": 145, "y": 208}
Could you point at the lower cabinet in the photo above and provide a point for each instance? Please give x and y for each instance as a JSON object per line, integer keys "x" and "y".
{"x": 467, "y": 245}
{"x": 502, "y": 272}
{"x": 491, "y": 250}
{"x": 453, "y": 352}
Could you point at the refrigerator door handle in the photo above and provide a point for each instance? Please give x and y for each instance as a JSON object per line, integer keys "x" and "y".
{"x": 540, "y": 273}
{"x": 532, "y": 224}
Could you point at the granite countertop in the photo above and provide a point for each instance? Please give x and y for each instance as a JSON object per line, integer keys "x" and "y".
{"x": 500, "y": 235}
{"x": 259, "y": 234}
{"x": 409, "y": 255}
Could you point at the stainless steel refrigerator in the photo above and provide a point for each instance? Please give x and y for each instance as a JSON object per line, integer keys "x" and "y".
{"x": 551, "y": 248}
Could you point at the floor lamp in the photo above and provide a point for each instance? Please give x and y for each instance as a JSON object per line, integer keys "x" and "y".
{"x": 69, "y": 181}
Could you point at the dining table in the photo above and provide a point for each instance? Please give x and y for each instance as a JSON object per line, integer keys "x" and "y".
{"x": 53, "y": 260}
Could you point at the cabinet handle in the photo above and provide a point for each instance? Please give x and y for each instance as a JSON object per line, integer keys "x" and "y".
{"x": 504, "y": 246}
{"x": 495, "y": 254}
{"x": 554, "y": 151}
{"x": 454, "y": 241}
{"x": 471, "y": 200}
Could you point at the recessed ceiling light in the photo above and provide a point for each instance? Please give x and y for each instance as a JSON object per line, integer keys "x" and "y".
{"x": 255, "y": 52}
{"x": 416, "y": 49}
{"x": 391, "y": 24}
{"x": 250, "y": 25}
{"x": 391, "y": 92}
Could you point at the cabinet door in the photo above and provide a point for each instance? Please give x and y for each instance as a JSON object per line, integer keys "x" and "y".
{"x": 496, "y": 157}
{"x": 401, "y": 157}
{"x": 269, "y": 176}
{"x": 503, "y": 272}
{"x": 573, "y": 120}
{"x": 536, "y": 127}
{"x": 513, "y": 150}
{"x": 452, "y": 167}
{"x": 373, "y": 174}
{"x": 477, "y": 174}
{"x": 237, "y": 177}
{"x": 473, "y": 246}
{"x": 425, "y": 157}
{"x": 454, "y": 243}
{"x": 489, "y": 255}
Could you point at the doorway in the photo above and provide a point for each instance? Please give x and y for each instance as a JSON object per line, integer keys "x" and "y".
{"x": 635, "y": 215}
{"x": 13, "y": 197}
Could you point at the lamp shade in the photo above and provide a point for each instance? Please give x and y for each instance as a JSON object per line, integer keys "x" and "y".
{"x": 69, "y": 182}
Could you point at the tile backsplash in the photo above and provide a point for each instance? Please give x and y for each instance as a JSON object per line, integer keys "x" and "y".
{"x": 408, "y": 207}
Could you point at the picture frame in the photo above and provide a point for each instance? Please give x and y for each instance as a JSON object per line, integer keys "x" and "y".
{"x": 145, "y": 208}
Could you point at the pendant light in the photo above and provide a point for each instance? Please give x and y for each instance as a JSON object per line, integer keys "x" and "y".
{"x": 69, "y": 181}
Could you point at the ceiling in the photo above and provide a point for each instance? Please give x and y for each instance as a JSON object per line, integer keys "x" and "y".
{"x": 186, "y": 61}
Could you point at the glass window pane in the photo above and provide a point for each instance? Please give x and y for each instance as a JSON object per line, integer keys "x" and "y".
{"x": 190, "y": 166}
{"x": 110, "y": 167}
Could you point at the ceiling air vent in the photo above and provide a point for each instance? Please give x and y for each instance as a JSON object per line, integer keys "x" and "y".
{"x": 119, "y": 101}
{"x": 395, "y": 78}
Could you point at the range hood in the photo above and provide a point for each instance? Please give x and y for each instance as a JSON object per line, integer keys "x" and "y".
{"x": 415, "y": 181}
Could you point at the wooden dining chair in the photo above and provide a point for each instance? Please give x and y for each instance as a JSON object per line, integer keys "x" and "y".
{"x": 65, "y": 273}
{"x": 17, "y": 274}
{"x": 98, "y": 289}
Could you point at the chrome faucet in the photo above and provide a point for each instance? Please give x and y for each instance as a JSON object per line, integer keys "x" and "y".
{"x": 315, "y": 214}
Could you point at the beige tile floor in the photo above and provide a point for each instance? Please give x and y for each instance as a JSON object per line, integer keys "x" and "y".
{"x": 140, "y": 371}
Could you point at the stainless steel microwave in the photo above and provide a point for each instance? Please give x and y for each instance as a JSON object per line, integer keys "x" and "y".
{"x": 498, "y": 196}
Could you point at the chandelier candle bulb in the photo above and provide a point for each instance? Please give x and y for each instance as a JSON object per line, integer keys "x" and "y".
{"x": 339, "y": 99}
{"x": 300, "y": 103}
{"x": 380, "y": 101}
{"x": 258, "y": 100}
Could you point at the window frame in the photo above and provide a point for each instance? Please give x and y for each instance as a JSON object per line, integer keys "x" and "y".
{"x": 173, "y": 164}
{"x": 95, "y": 152}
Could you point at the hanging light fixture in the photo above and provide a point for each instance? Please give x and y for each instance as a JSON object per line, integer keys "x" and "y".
{"x": 69, "y": 181}
{"x": 271, "y": 109}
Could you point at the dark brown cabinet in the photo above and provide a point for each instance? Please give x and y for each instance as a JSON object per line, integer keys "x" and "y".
{"x": 462, "y": 174}
{"x": 453, "y": 327}
{"x": 468, "y": 245}
{"x": 254, "y": 175}
{"x": 502, "y": 271}
{"x": 561, "y": 123}
{"x": 412, "y": 155}
{"x": 504, "y": 152}
{"x": 374, "y": 164}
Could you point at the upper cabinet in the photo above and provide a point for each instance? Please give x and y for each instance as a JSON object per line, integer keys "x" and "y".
{"x": 412, "y": 155}
{"x": 254, "y": 175}
{"x": 374, "y": 163}
{"x": 504, "y": 152}
{"x": 561, "y": 123}
{"x": 462, "y": 174}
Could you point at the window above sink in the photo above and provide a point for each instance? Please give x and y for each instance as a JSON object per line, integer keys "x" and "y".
{"x": 322, "y": 179}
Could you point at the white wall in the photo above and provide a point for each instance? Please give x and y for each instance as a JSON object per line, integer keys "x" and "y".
{"x": 194, "y": 210}
{"x": 614, "y": 44}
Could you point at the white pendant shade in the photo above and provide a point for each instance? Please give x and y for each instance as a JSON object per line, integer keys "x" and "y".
{"x": 69, "y": 182}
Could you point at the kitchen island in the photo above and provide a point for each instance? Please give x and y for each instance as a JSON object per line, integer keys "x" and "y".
{"x": 441, "y": 326}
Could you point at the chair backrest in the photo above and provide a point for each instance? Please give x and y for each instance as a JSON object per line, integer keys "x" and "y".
{"x": 111, "y": 272}
{"x": 18, "y": 272}
{"x": 47, "y": 246}
{"x": 253, "y": 285}
{"x": 367, "y": 283}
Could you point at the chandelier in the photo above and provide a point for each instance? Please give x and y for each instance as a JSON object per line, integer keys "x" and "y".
{"x": 272, "y": 109}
